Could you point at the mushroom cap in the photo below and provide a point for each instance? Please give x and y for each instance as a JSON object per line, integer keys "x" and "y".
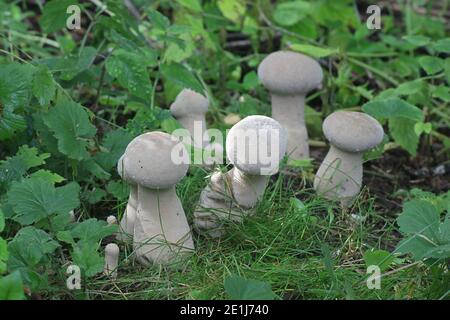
{"x": 122, "y": 172}
{"x": 352, "y": 131}
{"x": 148, "y": 160}
{"x": 288, "y": 72}
{"x": 188, "y": 102}
{"x": 256, "y": 143}
{"x": 112, "y": 249}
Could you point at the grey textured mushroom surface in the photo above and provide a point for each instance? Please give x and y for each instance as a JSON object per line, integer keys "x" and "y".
{"x": 289, "y": 76}
{"x": 161, "y": 232}
{"x": 350, "y": 134}
{"x": 255, "y": 146}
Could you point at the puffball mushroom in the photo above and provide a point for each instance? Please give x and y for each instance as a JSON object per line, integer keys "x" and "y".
{"x": 189, "y": 109}
{"x": 289, "y": 76}
{"x": 126, "y": 225}
{"x": 161, "y": 231}
{"x": 255, "y": 146}
{"x": 111, "y": 220}
{"x": 350, "y": 134}
{"x": 111, "y": 260}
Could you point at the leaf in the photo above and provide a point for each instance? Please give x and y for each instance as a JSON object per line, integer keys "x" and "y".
{"x": 410, "y": 87}
{"x": 447, "y": 70}
{"x": 113, "y": 147}
{"x": 430, "y": 64}
{"x": 11, "y": 287}
{"x": 73, "y": 65}
{"x": 402, "y": 131}
{"x": 239, "y": 288}
{"x": 34, "y": 199}
{"x": 392, "y": 108}
{"x": 380, "y": 258}
{"x": 158, "y": 20}
{"x": 54, "y": 15}
{"x": 85, "y": 256}
{"x": 417, "y": 40}
{"x": 44, "y": 87}
{"x": 15, "y": 85}
{"x": 181, "y": 76}
{"x": 47, "y": 176}
{"x": 92, "y": 230}
{"x": 442, "y": 45}
{"x": 2, "y": 220}
{"x": 289, "y": 13}
{"x": 70, "y": 125}
{"x": 442, "y": 92}
{"x": 11, "y": 123}
{"x": 232, "y": 9}
{"x": 130, "y": 69}
{"x": 118, "y": 189}
{"x": 193, "y": 5}
{"x": 314, "y": 51}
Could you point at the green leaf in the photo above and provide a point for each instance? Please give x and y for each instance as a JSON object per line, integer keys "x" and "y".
{"x": 11, "y": 123}
{"x": 421, "y": 127}
{"x": 430, "y": 64}
{"x": 239, "y": 288}
{"x": 180, "y": 75}
{"x": 442, "y": 45}
{"x": 44, "y": 87}
{"x": 417, "y": 40}
{"x": 447, "y": 70}
{"x": 314, "y": 51}
{"x": 118, "y": 189}
{"x": 70, "y": 125}
{"x": 158, "y": 20}
{"x": 402, "y": 130}
{"x": 47, "y": 176}
{"x": 130, "y": 69}
{"x": 410, "y": 87}
{"x": 73, "y": 65}
{"x": 289, "y": 13}
{"x": 2, "y": 220}
{"x": 380, "y": 258}
{"x": 11, "y": 287}
{"x": 34, "y": 199}
{"x": 3, "y": 255}
{"x": 54, "y": 15}
{"x": 232, "y": 9}
{"x": 113, "y": 147}
{"x": 442, "y": 92}
{"x": 86, "y": 256}
{"x": 392, "y": 108}
{"x": 92, "y": 230}
{"x": 15, "y": 85}
{"x": 193, "y": 5}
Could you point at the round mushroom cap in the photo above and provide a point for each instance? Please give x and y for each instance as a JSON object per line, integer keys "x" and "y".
{"x": 288, "y": 72}
{"x": 112, "y": 249}
{"x": 155, "y": 160}
{"x": 256, "y": 145}
{"x": 352, "y": 131}
{"x": 188, "y": 102}
{"x": 122, "y": 172}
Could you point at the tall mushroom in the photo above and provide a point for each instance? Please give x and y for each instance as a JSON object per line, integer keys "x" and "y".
{"x": 289, "y": 76}
{"x": 111, "y": 260}
{"x": 126, "y": 226}
{"x": 189, "y": 108}
{"x": 161, "y": 231}
{"x": 350, "y": 134}
{"x": 255, "y": 146}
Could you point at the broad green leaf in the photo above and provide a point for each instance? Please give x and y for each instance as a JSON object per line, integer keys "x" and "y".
{"x": 54, "y": 15}
{"x": 86, "y": 256}
{"x": 118, "y": 189}
{"x": 442, "y": 92}
{"x": 96, "y": 195}
{"x": 430, "y": 64}
{"x": 410, "y": 87}
{"x": 44, "y": 87}
{"x": 193, "y": 5}
{"x": 417, "y": 40}
{"x": 158, "y": 20}
{"x": 92, "y": 230}
{"x": 34, "y": 199}
{"x": 180, "y": 75}
{"x": 239, "y": 288}
{"x": 47, "y": 176}
{"x": 232, "y": 9}
{"x": 402, "y": 130}
{"x": 15, "y": 85}
{"x": 11, "y": 287}
{"x": 10, "y": 123}
{"x": 70, "y": 125}
{"x": 314, "y": 51}
{"x": 393, "y": 107}
{"x": 113, "y": 147}
{"x": 421, "y": 127}
{"x": 71, "y": 66}
{"x": 380, "y": 258}
{"x": 130, "y": 69}
{"x": 442, "y": 45}
{"x": 3, "y": 255}
{"x": 289, "y": 13}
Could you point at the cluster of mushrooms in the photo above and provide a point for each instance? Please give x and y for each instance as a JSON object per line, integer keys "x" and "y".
{"x": 154, "y": 220}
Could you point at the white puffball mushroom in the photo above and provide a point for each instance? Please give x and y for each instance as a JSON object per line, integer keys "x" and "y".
{"x": 111, "y": 220}
{"x": 289, "y": 76}
{"x": 111, "y": 260}
{"x": 350, "y": 134}
{"x": 161, "y": 231}
{"x": 126, "y": 225}
{"x": 255, "y": 146}
{"x": 190, "y": 108}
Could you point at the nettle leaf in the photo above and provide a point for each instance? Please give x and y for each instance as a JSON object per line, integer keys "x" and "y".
{"x": 11, "y": 287}
{"x": 34, "y": 199}
{"x": 130, "y": 69}
{"x": 70, "y": 125}
{"x": 425, "y": 235}
{"x": 92, "y": 230}
{"x": 54, "y": 15}
{"x": 44, "y": 87}
{"x": 430, "y": 64}
{"x": 180, "y": 75}
{"x": 289, "y": 13}
{"x": 30, "y": 247}
{"x": 113, "y": 147}
{"x": 239, "y": 288}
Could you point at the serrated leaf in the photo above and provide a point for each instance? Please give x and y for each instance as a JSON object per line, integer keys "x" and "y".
{"x": 442, "y": 45}
{"x": 34, "y": 199}
{"x": 130, "y": 69}
{"x": 289, "y": 13}
{"x": 71, "y": 66}
{"x": 402, "y": 130}
{"x": 70, "y": 125}
{"x": 392, "y": 108}
{"x": 180, "y": 75}
{"x": 15, "y": 85}
{"x": 430, "y": 64}
{"x": 92, "y": 230}
{"x": 44, "y": 87}
{"x": 314, "y": 51}
{"x": 113, "y": 147}
{"x": 54, "y": 15}
{"x": 86, "y": 256}
{"x": 11, "y": 287}
{"x": 11, "y": 123}
{"x": 239, "y": 288}
{"x": 47, "y": 176}
{"x": 380, "y": 258}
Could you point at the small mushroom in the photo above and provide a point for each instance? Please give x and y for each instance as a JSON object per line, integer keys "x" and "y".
{"x": 189, "y": 109}
{"x": 350, "y": 134}
{"x": 111, "y": 260}
{"x": 255, "y": 146}
{"x": 126, "y": 226}
{"x": 111, "y": 220}
{"x": 161, "y": 231}
{"x": 289, "y": 76}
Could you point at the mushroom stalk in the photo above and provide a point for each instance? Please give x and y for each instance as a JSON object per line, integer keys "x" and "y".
{"x": 340, "y": 175}
{"x": 129, "y": 216}
{"x": 111, "y": 260}
{"x": 161, "y": 231}
{"x": 247, "y": 188}
{"x": 196, "y": 125}
{"x": 289, "y": 111}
